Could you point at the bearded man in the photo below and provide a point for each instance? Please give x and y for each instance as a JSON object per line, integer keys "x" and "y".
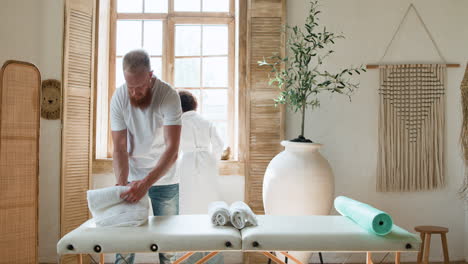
{"x": 145, "y": 117}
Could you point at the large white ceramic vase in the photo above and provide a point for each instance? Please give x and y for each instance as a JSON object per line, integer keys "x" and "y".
{"x": 298, "y": 181}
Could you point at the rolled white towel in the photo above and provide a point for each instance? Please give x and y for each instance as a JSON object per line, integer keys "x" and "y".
{"x": 241, "y": 215}
{"x": 108, "y": 209}
{"x": 219, "y": 213}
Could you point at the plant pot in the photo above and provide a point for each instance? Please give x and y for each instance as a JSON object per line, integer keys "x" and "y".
{"x": 298, "y": 181}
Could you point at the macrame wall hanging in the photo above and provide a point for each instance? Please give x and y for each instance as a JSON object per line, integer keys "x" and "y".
{"x": 464, "y": 130}
{"x": 411, "y": 123}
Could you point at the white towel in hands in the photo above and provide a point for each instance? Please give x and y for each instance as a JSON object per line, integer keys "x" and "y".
{"x": 108, "y": 209}
{"x": 242, "y": 215}
{"x": 219, "y": 213}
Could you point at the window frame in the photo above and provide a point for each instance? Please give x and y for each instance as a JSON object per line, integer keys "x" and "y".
{"x": 235, "y": 165}
{"x": 230, "y": 22}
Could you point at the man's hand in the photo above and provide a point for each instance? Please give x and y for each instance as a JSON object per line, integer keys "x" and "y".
{"x": 137, "y": 191}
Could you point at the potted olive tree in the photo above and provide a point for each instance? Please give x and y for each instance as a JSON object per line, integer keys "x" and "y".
{"x": 300, "y": 170}
{"x": 302, "y": 78}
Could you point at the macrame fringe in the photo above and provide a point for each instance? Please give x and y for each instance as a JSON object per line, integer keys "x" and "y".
{"x": 463, "y": 192}
{"x": 411, "y": 127}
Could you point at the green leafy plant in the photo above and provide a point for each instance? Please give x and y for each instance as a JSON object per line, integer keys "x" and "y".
{"x": 300, "y": 76}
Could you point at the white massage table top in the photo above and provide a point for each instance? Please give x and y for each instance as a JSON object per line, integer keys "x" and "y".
{"x": 182, "y": 233}
{"x": 322, "y": 233}
{"x": 176, "y": 233}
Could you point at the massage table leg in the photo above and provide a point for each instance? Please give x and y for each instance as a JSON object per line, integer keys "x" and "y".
{"x": 369, "y": 258}
{"x": 201, "y": 261}
{"x": 80, "y": 258}
{"x": 321, "y": 258}
{"x": 178, "y": 261}
{"x": 291, "y": 257}
{"x": 206, "y": 258}
{"x": 273, "y": 257}
{"x": 397, "y": 257}
{"x": 184, "y": 257}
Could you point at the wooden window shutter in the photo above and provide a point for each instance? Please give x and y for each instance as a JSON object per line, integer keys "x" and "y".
{"x": 78, "y": 72}
{"x": 264, "y": 123}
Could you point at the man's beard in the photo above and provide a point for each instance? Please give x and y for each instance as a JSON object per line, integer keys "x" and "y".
{"x": 144, "y": 102}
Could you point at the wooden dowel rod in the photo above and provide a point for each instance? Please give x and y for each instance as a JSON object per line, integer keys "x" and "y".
{"x": 374, "y": 66}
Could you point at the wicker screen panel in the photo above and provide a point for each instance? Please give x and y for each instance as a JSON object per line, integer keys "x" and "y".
{"x": 411, "y": 127}
{"x": 19, "y": 162}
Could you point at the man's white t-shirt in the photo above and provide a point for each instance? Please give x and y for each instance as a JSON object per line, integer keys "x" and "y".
{"x": 145, "y": 134}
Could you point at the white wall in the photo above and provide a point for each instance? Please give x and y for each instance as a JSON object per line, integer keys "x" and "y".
{"x": 31, "y": 31}
{"x": 349, "y": 130}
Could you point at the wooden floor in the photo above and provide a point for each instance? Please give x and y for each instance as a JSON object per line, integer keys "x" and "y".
{"x": 451, "y": 262}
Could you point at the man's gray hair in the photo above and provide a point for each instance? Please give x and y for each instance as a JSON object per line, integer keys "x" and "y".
{"x": 136, "y": 61}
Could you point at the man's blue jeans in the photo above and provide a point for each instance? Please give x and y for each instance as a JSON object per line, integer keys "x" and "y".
{"x": 165, "y": 201}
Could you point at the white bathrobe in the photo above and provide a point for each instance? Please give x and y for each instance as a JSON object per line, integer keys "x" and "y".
{"x": 200, "y": 151}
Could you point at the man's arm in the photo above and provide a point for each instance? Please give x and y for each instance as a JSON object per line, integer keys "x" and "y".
{"x": 169, "y": 157}
{"x": 120, "y": 156}
{"x": 167, "y": 160}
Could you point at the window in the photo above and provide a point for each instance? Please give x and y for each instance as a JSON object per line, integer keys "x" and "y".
{"x": 202, "y": 68}
{"x": 192, "y": 46}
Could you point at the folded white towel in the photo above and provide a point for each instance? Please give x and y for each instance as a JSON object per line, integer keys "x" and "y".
{"x": 241, "y": 214}
{"x": 108, "y": 209}
{"x": 219, "y": 213}
{"x": 102, "y": 198}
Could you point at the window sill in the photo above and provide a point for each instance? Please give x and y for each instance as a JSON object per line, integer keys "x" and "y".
{"x": 226, "y": 167}
{"x": 231, "y": 167}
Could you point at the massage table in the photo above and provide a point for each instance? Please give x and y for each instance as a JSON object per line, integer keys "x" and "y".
{"x": 195, "y": 233}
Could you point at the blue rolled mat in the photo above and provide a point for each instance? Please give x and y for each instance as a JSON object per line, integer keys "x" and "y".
{"x": 366, "y": 216}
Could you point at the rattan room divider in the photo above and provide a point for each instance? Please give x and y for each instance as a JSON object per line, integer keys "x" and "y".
{"x": 19, "y": 162}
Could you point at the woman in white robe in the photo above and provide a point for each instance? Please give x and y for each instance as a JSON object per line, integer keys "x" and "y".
{"x": 200, "y": 151}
